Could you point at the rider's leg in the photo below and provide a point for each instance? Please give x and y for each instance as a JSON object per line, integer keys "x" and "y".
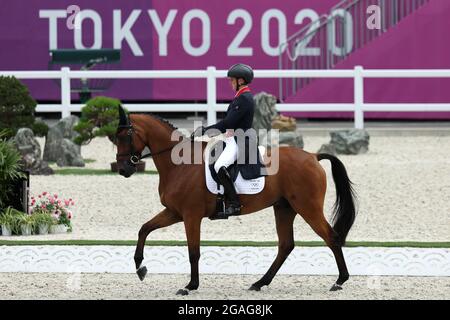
{"x": 234, "y": 205}
{"x": 228, "y": 156}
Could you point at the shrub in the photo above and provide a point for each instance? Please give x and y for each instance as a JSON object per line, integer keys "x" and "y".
{"x": 99, "y": 118}
{"x": 41, "y": 218}
{"x": 17, "y": 108}
{"x": 57, "y": 209}
{"x": 10, "y": 168}
{"x": 40, "y": 129}
{"x": 13, "y": 219}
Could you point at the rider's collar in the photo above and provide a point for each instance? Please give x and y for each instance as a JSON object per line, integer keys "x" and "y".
{"x": 242, "y": 90}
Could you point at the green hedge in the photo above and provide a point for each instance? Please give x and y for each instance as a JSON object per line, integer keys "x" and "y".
{"x": 10, "y": 168}
{"x": 17, "y": 108}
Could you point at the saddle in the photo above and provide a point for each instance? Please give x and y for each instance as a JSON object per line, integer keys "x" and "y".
{"x": 247, "y": 178}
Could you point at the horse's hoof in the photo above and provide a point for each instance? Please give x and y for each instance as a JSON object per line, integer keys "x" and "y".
{"x": 336, "y": 287}
{"x": 141, "y": 272}
{"x": 182, "y": 292}
{"x": 254, "y": 288}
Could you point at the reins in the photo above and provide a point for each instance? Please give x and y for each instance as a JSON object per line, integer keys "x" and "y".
{"x": 134, "y": 157}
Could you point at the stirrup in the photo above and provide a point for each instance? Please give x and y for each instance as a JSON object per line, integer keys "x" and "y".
{"x": 233, "y": 209}
{"x": 224, "y": 213}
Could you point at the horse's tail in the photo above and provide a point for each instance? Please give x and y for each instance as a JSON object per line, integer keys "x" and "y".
{"x": 344, "y": 208}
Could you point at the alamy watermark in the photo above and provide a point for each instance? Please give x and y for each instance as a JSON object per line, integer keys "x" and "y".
{"x": 247, "y": 148}
{"x": 73, "y": 21}
{"x": 73, "y": 281}
{"x": 374, "y": 20}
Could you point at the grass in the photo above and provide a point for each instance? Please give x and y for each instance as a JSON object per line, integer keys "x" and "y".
{"x": 99, "y": 172}
{"x": 85, "y": 161}
{"x": 404, "y": 244}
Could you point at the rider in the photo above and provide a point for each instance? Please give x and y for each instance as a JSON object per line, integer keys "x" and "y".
{"x": 239, "y": 116}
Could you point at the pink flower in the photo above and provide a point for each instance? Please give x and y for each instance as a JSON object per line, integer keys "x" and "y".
{"x": 59, "y": 202}
{"x": 44, "y": 193}
{"x": 52, "y": 201}
{"x": 72, "y": 203}
{"x": 55, "y": 196}
{"x": 43, "y": 206}
{"x": 67, "y": 202}
{"x": 39, "y": 196}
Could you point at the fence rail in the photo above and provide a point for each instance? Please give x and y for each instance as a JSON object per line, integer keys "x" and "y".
{"x": 211, "y": 74}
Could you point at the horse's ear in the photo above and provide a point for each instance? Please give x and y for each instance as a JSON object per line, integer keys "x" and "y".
{"x": 123, "y": 119}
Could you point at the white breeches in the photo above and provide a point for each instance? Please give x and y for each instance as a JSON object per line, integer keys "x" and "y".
{"x": 229, "y": 154}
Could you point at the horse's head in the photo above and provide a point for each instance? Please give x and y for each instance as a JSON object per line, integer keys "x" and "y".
{"x": 129, "y": 145}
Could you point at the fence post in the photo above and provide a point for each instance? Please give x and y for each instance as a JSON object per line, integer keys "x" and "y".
{"x": 211, "y": 96}
{"x": 65, "y": 92}
{"x": 359, "y": 97}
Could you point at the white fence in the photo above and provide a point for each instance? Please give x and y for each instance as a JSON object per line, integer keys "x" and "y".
{"x": 225, "y": 260}
{"x": 211, "y": 74}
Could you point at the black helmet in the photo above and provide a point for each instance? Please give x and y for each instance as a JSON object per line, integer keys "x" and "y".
{"x": 241, "y": 70}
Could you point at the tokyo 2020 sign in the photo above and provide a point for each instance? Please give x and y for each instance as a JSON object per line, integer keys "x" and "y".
{"x": 154, "y": 35}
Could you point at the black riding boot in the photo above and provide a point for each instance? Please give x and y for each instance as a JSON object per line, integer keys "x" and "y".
{"x": 234, "y": 205}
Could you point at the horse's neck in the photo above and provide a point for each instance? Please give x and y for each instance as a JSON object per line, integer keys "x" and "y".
{"x": 158, "y": 138}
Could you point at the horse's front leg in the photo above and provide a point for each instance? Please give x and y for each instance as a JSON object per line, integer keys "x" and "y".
{"x": 192, "y": 226}
{"x": 163, "y": 219}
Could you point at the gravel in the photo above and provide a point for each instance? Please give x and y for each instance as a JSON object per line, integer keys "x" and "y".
{"x": 224, "y": 287}
{"x": 403, "y": 185}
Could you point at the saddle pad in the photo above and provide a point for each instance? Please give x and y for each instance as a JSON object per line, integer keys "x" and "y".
{"x": 252, "y": 186}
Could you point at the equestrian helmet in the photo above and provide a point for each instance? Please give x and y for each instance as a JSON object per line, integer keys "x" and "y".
{"x": 241, "y": 70}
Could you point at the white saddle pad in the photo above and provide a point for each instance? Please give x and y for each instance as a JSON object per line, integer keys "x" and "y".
{"x": 242, "y": 186}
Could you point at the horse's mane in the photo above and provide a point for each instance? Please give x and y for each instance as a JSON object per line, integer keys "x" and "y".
{"x": 170, "y": 125}
{"x": 160, "y": 119}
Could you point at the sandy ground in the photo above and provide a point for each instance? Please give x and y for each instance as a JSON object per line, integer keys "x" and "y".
{"x": 403, "y": 184}
{"x": 226, "y": 287}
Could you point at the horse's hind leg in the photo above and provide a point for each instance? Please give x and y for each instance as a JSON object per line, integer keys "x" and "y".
{"x": 163, "y": 219}
{"x": 284, "y": 218}
{"x": 316, "y": 219}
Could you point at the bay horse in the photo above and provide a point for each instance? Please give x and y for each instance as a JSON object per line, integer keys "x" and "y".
{"x": 298, "y": 187}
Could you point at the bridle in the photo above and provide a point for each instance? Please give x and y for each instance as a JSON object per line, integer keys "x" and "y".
{"x": 134, "y": 156}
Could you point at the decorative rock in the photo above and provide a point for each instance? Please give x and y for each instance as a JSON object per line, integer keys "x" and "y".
{"x": 70, "y": 154}
{"x": 354, "y": 141}
{"x": 291, "y": 138}
{"x": 30, "y": 150}
{"x": 55, "y": 147}
{"x": 285, "y": 138}
{"x": 266, "y": 117}
{"x": 283, "y": 123}
{"x": 265, "y": 111}
{"x": 328, "y": 149}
